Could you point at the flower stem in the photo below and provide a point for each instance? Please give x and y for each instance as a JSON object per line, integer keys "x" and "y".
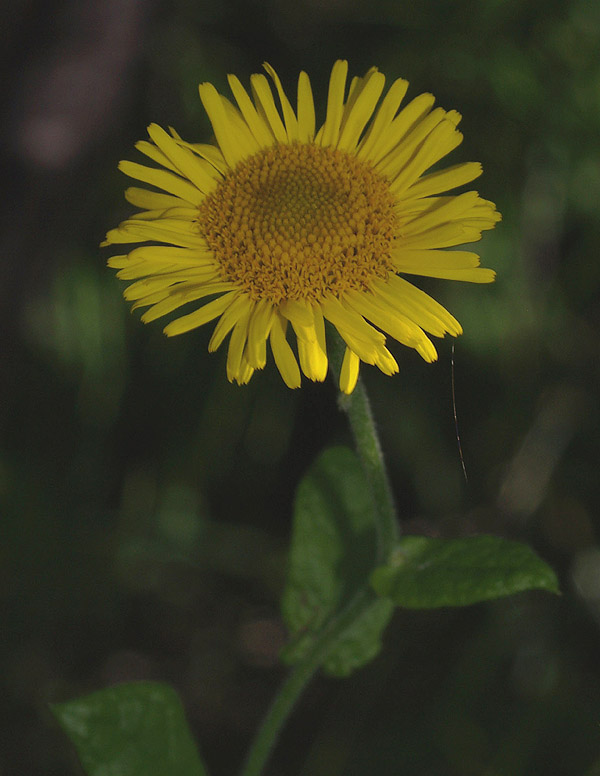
{"x": 358, "y": 409}
{"x": 297, "y": 680}
{"x": 266, "y": 738}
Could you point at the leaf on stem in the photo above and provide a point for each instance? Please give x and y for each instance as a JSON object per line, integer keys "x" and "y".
{"x": 426, "y": 573}
{"x": 136, "y": 729}
{"x": 332, "y": 556}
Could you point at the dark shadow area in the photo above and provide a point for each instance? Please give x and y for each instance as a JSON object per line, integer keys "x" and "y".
{"x": 146, "y": 502}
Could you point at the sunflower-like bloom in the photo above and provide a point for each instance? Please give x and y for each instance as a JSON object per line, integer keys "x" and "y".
{"x": 279, "y": 223}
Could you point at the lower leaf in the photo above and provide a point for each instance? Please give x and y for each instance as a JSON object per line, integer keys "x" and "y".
{"x": 136, "y": 729}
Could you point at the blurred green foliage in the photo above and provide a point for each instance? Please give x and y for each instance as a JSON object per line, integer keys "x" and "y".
{"x": 147, "y": 503}
{"x": 130, "y": 729}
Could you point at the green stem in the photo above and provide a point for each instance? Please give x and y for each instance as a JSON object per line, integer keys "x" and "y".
{"x": 359, "y": 413}
{"x": 300, "y": 676}
{"x": 358, "y": 408}
{"x": 280, "y": 709}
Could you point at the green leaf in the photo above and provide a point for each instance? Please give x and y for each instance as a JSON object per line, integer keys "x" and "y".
{"x": 136, "y": 729}
{"x": 361, "y": 642}
{"x": 333, "y": 553}
{"x": 426, "y": 573}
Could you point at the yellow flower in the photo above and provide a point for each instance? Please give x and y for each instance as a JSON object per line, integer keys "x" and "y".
{"x": 279, "y": 223}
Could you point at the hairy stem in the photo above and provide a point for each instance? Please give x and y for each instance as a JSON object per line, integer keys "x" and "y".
{"x": 358, "y": 409}
{"x": 297, "y": 680}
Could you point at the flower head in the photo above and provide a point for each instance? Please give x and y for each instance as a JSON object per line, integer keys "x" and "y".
{"x": 279, "y": 224}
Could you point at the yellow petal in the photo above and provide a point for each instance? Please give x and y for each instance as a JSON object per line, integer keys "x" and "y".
{"x": 283, "y": 355}
{"x": 399, "y": 156}
{"x": 240, "y": 307}
{"x": 165, "y": 230}
{"x": 289, "y": 117}
{"x": 413, "y": 260}
{"x": 184, "y": 269}
{"x": 391, "y": 321}
{"x": 258, "y": 126}
{"x": 335, "y": 103}
{"x": 412, "y": 113}
{"x": 149, "y": 285}
{"x": 445, "y": 180}
{"x": 478, "y": 275}
{"x": 199, "y": 317}
{"x": 349, "y": 371}
{"x": 154, "y": 153}
{"x": 401, "y": 295}
{"x": 118, "y": 262}
{"x": 244, "y": 138}
{"x": 163, "y": 180}
{"x": 161, "y": 254}
{"x": 177, "y": 298}
{"x": 186, "y": 163}
{"x": 442, "y": 236}
{"x": 357, "y": 85}
{"x": 209, "y": 153}
{"x": 298, "y": 313}
{"x": 152, "y": 200}
{"x": 443, "y": 139}
{"x": 383, "y": 119}
{"x": 361, "y": 112}
{"x": 344, "y": 319}
{"x": 308, "y": 325}
{"x": 224, "y": 131}
{"x": 388, "y": 364}
{"x": 427, "y": 351}
{"x": 245, "y": 372}
{"x": 451, "y": 209}
{"x": 377, "y": 355}
{"x": 265, "y": 104}
{"x": 259, "y": 327}
{"x": 306, "y": 110}
{"x": 236, "y": 364}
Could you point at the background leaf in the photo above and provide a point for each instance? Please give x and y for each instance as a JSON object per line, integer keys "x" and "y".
{"x": 431, "y": 572}
{"x": 136, "y": 729}
{"x": 332, "y": 555}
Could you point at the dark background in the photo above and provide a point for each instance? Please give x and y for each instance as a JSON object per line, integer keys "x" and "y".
{"x": 146, "y": 502}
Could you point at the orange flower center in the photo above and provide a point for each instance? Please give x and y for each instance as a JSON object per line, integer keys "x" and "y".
{"x": 299, "y": 221}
